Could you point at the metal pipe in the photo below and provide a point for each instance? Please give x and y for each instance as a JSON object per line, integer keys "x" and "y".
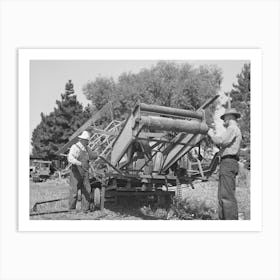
{"x": 170, "y": 111}
{"x": 209, "y": 102}
{"x": 169, "y": 124}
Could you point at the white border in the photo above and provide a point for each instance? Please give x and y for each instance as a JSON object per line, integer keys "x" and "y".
{"x": 24, "y": 57}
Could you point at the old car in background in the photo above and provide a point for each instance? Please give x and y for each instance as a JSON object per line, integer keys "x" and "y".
{"x": 40, "y": 170}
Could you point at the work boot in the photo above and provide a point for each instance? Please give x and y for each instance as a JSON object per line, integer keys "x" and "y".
{"x": 79, "y": 201}
{"x": 91, "y": 207}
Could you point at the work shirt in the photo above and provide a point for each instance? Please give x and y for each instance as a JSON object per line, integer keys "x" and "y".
{"x": 230, "y": 141}
{"x": 75, "y": 152}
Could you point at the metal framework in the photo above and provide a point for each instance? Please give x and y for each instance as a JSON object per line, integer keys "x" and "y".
{"x": 145, "y": 154}
{"x": 101, "y": 140}
{"x": 141, "y": 156}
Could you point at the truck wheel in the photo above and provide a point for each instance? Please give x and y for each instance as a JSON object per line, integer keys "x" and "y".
{"x": 97, "y": 197}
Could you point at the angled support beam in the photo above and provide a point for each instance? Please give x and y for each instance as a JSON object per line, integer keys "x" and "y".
{"x": 116, "y": 169}
{"x": 85, "y": 126}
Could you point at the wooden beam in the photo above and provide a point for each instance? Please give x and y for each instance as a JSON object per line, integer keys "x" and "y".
{"x": 86, "y": 125}
{"x": 91, "y": 121}
{"x": 151, "y": 108}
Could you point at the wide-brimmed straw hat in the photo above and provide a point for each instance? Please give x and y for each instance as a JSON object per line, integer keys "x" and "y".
{"x": 231, "y": 112}
{"x": 85, "y": 135}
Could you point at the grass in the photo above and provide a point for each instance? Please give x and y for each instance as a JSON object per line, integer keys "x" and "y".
{"x": 202, "y": 202}
{"x": 51, "y": 189}
{"x": 198, "y": 203}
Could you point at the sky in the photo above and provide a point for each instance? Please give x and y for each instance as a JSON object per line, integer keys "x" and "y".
{"x": 48, "y": 78}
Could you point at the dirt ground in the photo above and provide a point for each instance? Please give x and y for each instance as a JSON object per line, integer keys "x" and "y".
{"x": 198, "y": 203}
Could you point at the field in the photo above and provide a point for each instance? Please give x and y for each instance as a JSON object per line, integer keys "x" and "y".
{"x": 198, "y": 203}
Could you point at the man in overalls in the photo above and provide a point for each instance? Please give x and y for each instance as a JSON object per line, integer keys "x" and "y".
{"x": 230, "y": 146}
{"x": 79, "y": 156}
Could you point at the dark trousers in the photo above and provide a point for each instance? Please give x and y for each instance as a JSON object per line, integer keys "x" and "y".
{"x": 226, "y": 190}
{"x": 79, "y": 180}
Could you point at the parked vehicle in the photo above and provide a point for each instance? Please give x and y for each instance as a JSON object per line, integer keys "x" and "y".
{"x": 40, "y": 170}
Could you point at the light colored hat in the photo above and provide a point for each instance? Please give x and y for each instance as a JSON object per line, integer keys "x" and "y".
{"x": 231, "y": 112}
{"x": 85, "y": 135}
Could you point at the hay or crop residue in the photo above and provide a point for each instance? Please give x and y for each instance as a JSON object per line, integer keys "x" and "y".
{"x": 202, "y": 201}
{"x": 51, "y": 189}
{"x": 195, "y": 204}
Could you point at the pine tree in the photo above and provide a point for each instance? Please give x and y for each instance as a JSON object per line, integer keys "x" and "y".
{"x": 240, "y": 100}
{"x": 55, "y": 129}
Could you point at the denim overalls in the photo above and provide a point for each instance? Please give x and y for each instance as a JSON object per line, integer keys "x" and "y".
{"x": 79, "y": 180}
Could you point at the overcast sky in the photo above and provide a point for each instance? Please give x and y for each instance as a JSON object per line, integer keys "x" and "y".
{"x": 48, "y": 78}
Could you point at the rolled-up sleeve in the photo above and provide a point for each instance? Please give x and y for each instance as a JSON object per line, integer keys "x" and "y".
{"x": 73, "y": 155}
{"x": 226, "y": 139}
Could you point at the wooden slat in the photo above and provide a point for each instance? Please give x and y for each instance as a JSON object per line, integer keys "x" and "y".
{"x": 91, "y": 121}
{"x": 87, "y": 124}
{"x": 177, "y": 152}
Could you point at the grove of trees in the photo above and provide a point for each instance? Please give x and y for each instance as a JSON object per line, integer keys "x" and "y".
{"x": 179, "y": 85}
{"x": 167, "y": 83}
{"x": 55, "y": 128}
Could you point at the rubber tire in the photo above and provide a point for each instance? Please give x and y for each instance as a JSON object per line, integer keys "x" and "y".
{"x": 97, "y": 197}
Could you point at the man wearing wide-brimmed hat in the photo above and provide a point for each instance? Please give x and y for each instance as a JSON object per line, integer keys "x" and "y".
{"x": 230, "y": 146}
{"x": 79, "y": 156}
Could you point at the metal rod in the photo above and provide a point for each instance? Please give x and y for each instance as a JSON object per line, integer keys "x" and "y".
{"x": 163, "y": 141}
{"x": 174, "y": 158}
{"x": 116, "y": 169}
{"x": 200, "y": 169}
{"x": 165, "y": 153}
{"x": 53, "y": 200}
{"x": 147, "y": 161}
{"x": 48, "y": 213}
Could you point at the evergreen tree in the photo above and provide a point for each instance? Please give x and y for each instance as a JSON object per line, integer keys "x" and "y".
{"x": 55, "y": 129}
{"x": 240, "y": 99}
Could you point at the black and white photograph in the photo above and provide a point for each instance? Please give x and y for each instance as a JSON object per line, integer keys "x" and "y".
{"x": 140, "y": 140}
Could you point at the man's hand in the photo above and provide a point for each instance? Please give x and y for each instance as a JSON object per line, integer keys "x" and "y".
{"x": 210, "y": 133}
{"x": 85, "y": 165}
{"x": 93, "y": 155}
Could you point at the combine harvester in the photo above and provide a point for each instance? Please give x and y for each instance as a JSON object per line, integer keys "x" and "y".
{"x": 150, "y": 155}
{"x": 145, "y": 156}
